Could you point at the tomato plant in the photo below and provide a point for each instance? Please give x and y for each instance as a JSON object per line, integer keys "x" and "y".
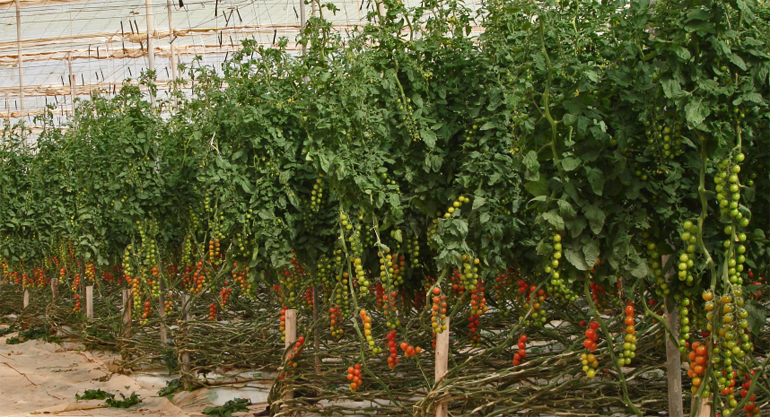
{"x": 573, "y": 158}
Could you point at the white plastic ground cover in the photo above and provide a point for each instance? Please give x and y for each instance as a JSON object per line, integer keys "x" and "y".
{"x": 39, "y": 378}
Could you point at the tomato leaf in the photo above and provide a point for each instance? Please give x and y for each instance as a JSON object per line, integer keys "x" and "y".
{"x": 576, "y": 258}
{"x": 554, "y": 219}
{"x": 596, "y": 179}
{"x": 595, "y": 217}
{"x": 570, "y": 163}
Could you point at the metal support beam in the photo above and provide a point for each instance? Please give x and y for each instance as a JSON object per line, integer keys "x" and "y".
{"x": 150, "y": 40}
{"x": 73, "y": 81}
{"x": 18, "y": 50}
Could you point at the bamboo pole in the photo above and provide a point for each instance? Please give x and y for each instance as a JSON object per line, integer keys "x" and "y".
{"x": 442, "y": 362}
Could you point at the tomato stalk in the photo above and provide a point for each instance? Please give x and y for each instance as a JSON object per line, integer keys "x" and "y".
{"x": 546, "y": 100}
{"x": 611, "y": 347}
{"x": 362, "y": 349}
{"x": 704, "y": 210}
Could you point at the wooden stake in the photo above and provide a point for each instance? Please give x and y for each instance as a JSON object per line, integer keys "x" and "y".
{"x": 162, "y": 313}
{"x": 127, "y": 302}
{"x": 316, "y": 340}
{"x": 442, "y": 362}
{"x": 704, "y": 405}
{"x": 54, "y": 288}
{"x": 26, "y": 298}
{"x": 185, "y": 353}
{"x": 673, "y": 359}
{"x": 291, "y": 337}
{"x": 90, "y": 302}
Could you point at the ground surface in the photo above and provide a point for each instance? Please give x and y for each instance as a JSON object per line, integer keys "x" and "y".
{"x": 38, "y": 378}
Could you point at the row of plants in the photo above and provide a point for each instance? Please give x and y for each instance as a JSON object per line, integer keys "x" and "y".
{"x": 573, "y": 158}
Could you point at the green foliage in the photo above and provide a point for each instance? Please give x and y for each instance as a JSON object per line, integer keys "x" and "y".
{"x": 94, "y": 394}
{"x": 30, "y": 334}
{"x": 8, "y": 330}
{"x": 171, "y": 361}
{"x": 230, "y": 407}
{"x": 132, "y": 400}
{"x": 34, "y": 333}
{"x": 172, "y": 386}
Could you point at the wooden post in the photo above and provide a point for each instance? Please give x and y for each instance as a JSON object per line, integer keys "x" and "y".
{"x": 316, "y": 340}
{"x": 54, "y": 288}
{"x": 127, "y": 303}
{"x": 673, "y": 360}
{"x": 90, "y": 302}
{"x": 185, "y": 353}
{"x": 26, "y": 298}
{"x": 442, "y": 362}
{"x": 704, "y": 405}
{"x": 291, "y": 337}
{"x": 162, "y": 313}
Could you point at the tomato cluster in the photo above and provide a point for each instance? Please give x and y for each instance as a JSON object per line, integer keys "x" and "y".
{"x": 224, "y": 294}
{"x": 751, "y": 408}
{"x": 438, "y": 311}
{"x": 367, "y": 321}
{"x": 393, "y": 357}
{"x": 591, "y": 336}
{"x": 294, "y": 354}
{"x": 336, "y": 322}
{"x": 478, "y": 307}
{"x": 410, "y": 350}
{"x": 519, "y": 356}
{"x": 212, "y": 312}
{"x": 629, "y": 341}
{"x": 354, "y": 376}
{"x": 283, "y": 322}
{"x": 699, "y": 358}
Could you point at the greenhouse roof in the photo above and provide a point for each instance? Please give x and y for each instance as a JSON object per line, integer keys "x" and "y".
{"x": 101, "y": 43}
